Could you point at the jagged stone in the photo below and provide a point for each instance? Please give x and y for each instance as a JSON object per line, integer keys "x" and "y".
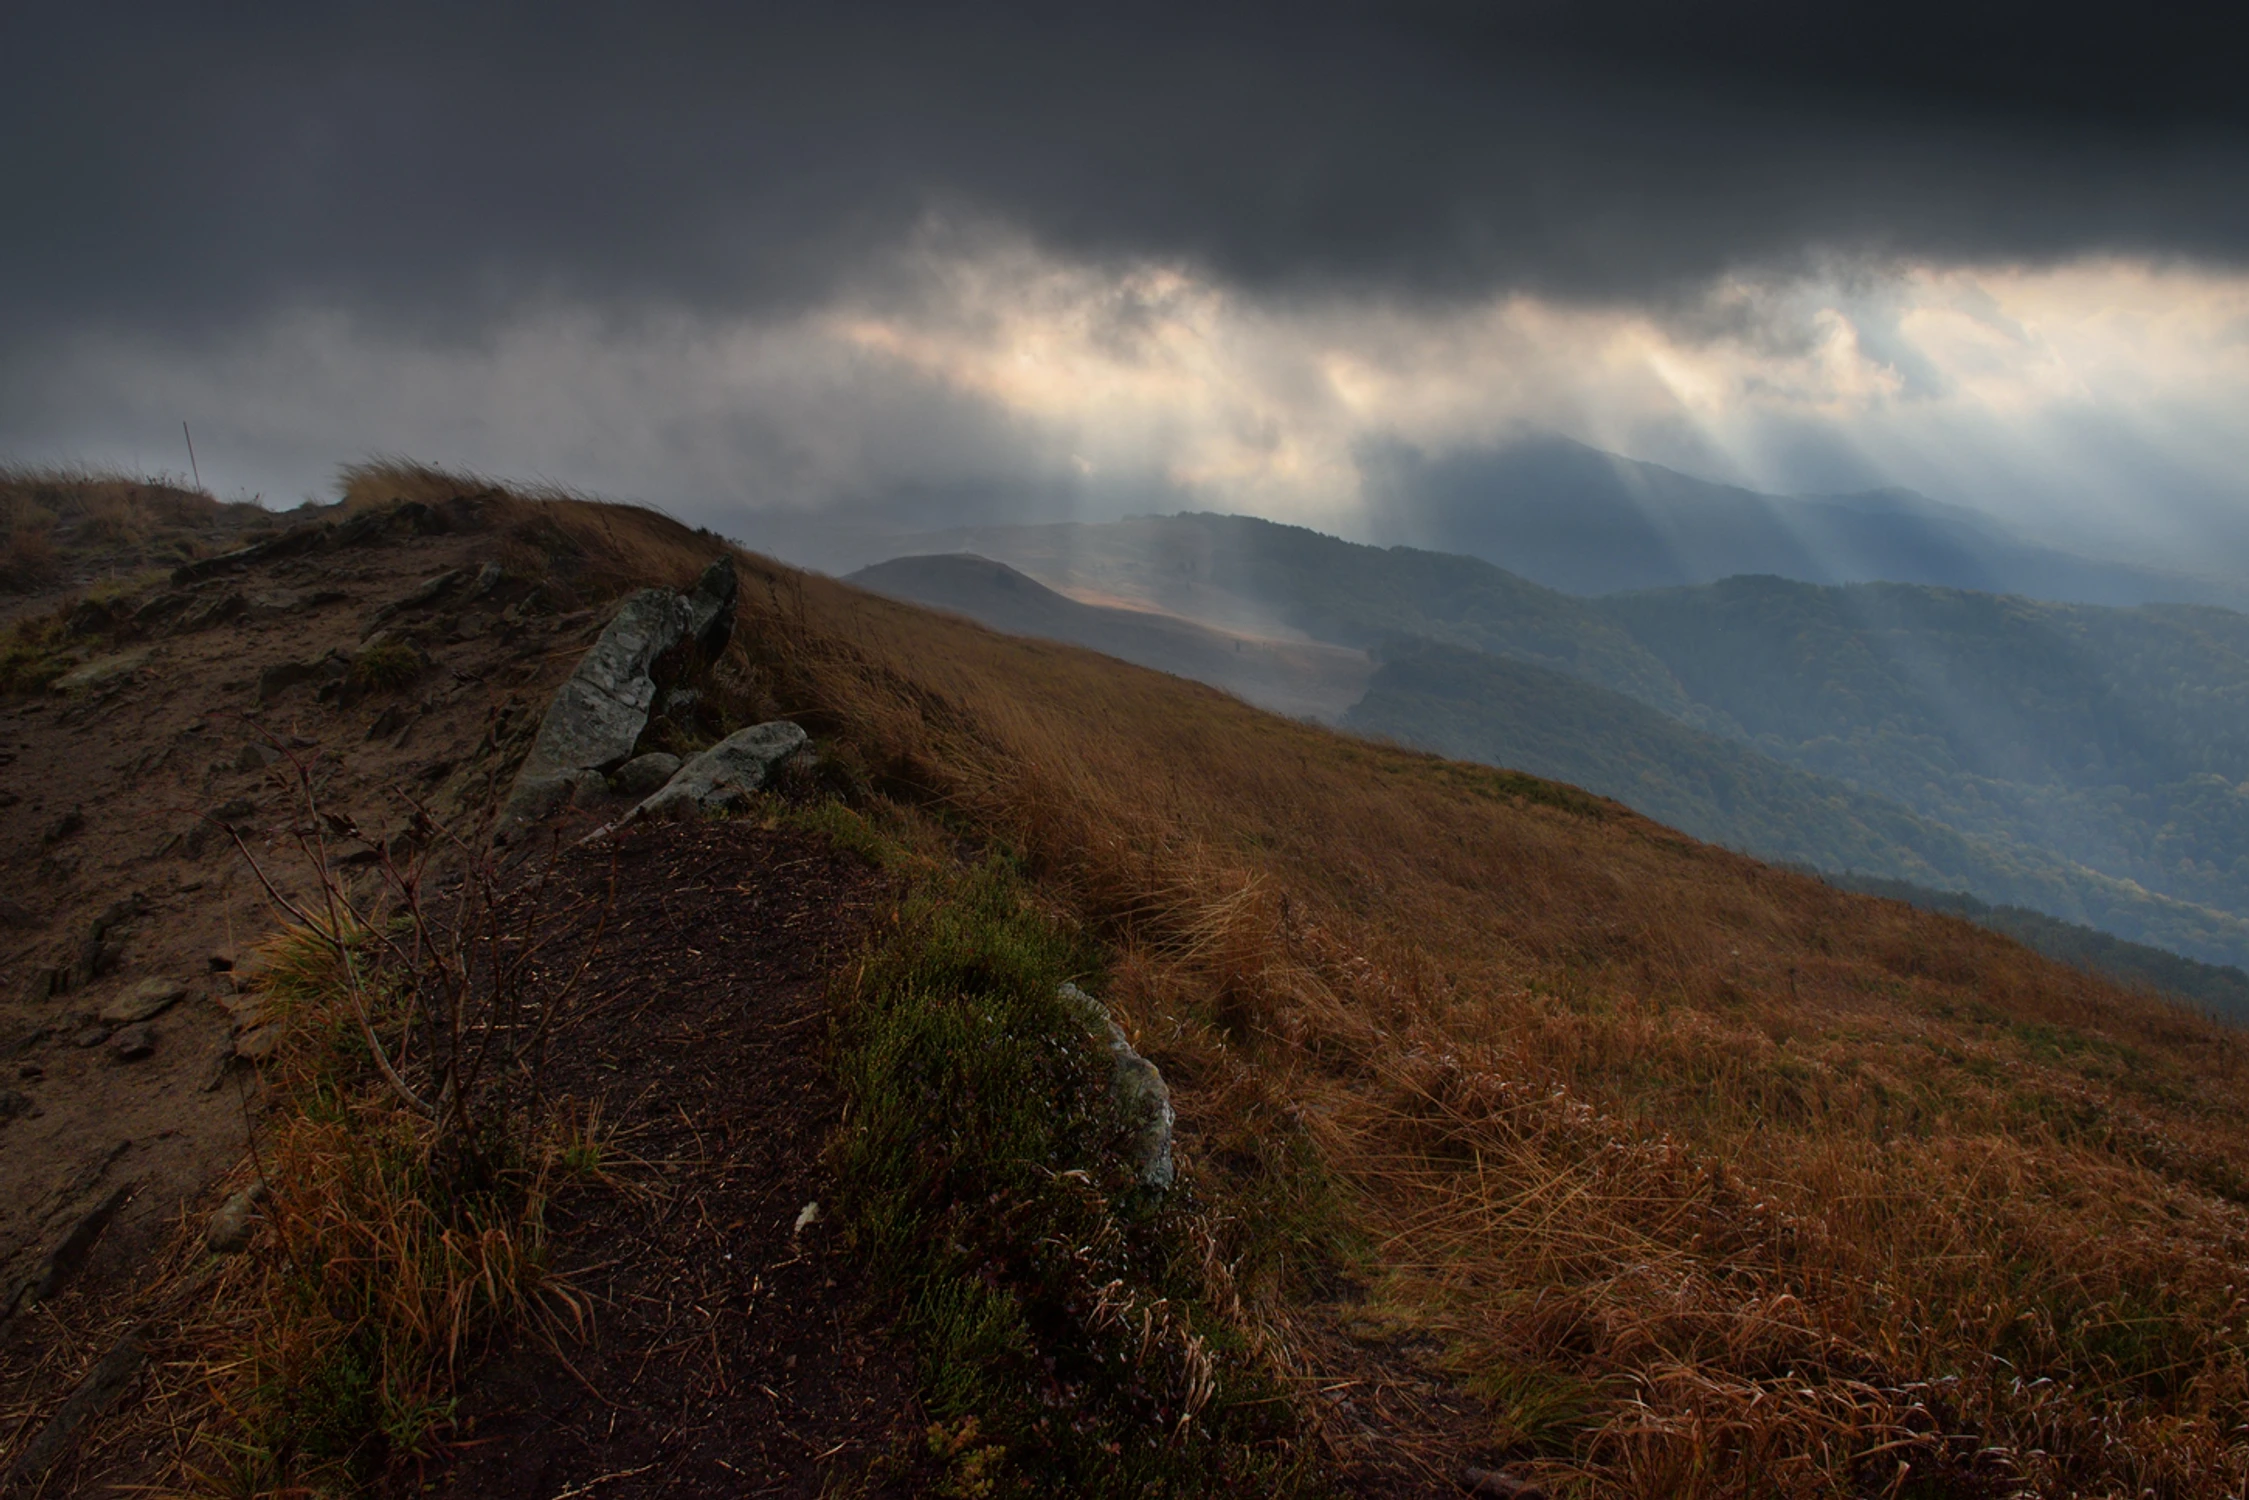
{"x": 216, "y": 610}
{"x": 722, "y": 777}
{"x": 599, "y": 713}
{"x": 290, "y": 543}
{"x": 711, "y": 607}
{"x": 1136, "y": 1085}
{"x": 259, "y": 1042}
{"x": 428, "y": 591}
{"x": 158, "y": 608}
{"x": 91, "y": 617}
{"x": 281, "y": 676}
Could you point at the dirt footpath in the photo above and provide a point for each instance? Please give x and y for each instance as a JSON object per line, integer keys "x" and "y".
{"x": 729, "y": 1355}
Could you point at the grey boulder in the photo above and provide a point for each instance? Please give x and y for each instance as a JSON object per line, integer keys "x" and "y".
{"x": 722, "y": 777}
{"x": 231, "y": 1227}
{"x": 645, "y": 773}
{"x": 1136, "y": 1086}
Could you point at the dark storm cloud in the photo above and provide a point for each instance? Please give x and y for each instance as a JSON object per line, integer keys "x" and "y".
{"x": 166, "y": 168}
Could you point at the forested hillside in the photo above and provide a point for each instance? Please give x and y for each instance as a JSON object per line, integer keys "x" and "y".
{"x": 2116, "y": 738}
{"x": 1476, "y": 706}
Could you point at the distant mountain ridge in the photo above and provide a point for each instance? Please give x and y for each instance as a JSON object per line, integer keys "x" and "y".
{"x": 1304, "y": 680}
{"x": 1589, "y": 522}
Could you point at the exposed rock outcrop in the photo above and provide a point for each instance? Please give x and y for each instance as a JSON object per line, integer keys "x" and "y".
{"x": 94, "y": 1395}
{"x": 1137, "y": 1087}
{"x": 598, "y": 715}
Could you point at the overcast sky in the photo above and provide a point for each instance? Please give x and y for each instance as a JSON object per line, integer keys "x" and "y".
{"x": 921, "y": 264}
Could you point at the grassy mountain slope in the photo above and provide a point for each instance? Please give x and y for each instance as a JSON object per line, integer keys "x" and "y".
{"x": 1287, "y": 677}
{"x": 2222, "y": 989}
{"x": 1509, "y": 713}
{"x": 1706, "y": 1178}
{"x": 1503, "y": 1110}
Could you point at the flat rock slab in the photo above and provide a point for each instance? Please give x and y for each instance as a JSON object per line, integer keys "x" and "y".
{"x": 133, "y": 1043}
{"x": 723, "y": 776}
{"x": 102, "y": 671}
{"x": 151, "y": 997}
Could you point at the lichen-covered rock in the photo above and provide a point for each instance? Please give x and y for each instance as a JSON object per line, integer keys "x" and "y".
{"x": 722, "y": 777}
{"x": 599, "y": 713}
{"x": 1136, "y": 1085}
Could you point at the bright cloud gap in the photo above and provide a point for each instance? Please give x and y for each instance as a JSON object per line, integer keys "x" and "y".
{"x": 2096, "y": 398}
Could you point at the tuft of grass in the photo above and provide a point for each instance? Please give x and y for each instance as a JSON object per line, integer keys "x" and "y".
{"x": 386, "y": 666}
{"x": 1065, "y": 1340}
{"x": 30, "y": 653}
{"x": 381, "y": 1266}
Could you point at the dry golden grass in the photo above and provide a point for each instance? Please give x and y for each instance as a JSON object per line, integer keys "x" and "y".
{"x": 1713, "y": 1180}
{"x": 46, "y": 513}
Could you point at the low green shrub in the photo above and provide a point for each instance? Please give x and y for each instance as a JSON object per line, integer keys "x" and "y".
{"x": 1054, "y": 1302}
